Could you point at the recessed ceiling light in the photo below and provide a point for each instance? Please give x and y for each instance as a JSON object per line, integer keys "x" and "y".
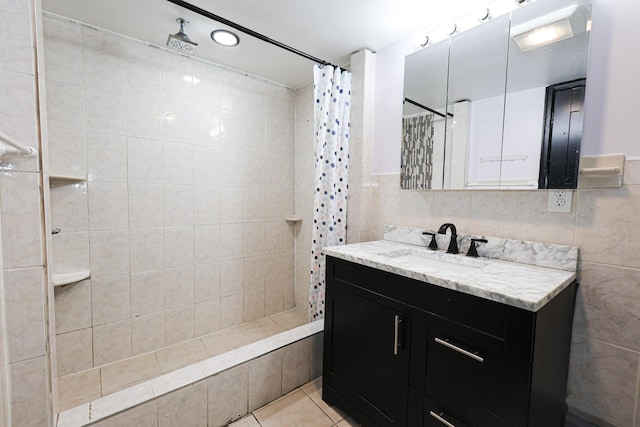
{"x": 225, "y": 38}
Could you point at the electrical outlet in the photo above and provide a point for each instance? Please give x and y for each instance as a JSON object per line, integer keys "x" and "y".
{"x": 560, "y": 201}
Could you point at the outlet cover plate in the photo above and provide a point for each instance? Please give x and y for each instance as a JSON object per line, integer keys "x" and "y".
{"x": 560, "y": 201}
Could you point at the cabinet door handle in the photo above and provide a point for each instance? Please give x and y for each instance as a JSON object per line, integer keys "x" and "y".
{"x": 446, "y": 343}
{"x": 439, "y": 418}
{"x": 396, "y": 334}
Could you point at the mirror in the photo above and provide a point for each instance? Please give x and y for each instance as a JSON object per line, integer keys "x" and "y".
{"x": 423, "y": 118}
{"x": 477, "y": 79}
{"x": 511, "y": 114}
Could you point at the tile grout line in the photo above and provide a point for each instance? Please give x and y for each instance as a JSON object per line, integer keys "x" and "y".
{"x": 314, "y": 402}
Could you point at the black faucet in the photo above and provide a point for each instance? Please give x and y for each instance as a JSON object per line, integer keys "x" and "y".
{"x": 453, "y": 243}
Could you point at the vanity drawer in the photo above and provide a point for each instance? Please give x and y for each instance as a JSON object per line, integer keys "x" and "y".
{"x": 427, "y": 412}
{"x": 457, "y": 363}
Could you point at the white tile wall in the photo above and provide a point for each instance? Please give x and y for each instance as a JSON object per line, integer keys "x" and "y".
{"x": 179, "y": 324}
{"x": 233, "y": 404}
{"x": 24, "y": 313}
{"x": 106, "y": 157}
{"x": 147, "y": 292}
{"x": 207, "y": 316}
{"x": 265, "y": 379}
{"x": 145, "y": 205}
{"x": 147, "y": 332}
{"x": 67, "y": 149}
{"x": 73, "y": 305}
{"x": 24, "y": 379}
{"x": 74, "y": 351}
{"x": 29, "y": 393}
{"x": 178, "y": 287}
{"x": 110, "y": 299}
{"x": 21, "y": 209}
{"x": 185, "y": 407}
{"x": 111, "y": 342}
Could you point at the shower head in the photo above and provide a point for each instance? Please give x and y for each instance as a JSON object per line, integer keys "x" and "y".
{"x": 180, "y": 41}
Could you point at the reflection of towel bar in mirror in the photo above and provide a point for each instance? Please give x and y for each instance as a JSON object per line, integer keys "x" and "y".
{"x": 504, "y": 159}
{"x": 600, "y": 171}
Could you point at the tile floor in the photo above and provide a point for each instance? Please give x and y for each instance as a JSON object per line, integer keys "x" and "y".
{"x": 303, "y": 407}
{"x": 91, "y": 384}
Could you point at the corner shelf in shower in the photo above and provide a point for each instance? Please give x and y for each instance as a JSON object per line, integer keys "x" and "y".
{"x": 67, "y": 178}
{"x": 68, "y": 278}
{"x": 293, "y": 218}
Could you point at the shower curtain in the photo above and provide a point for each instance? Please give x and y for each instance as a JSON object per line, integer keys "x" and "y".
{"x": 332, "y": 92}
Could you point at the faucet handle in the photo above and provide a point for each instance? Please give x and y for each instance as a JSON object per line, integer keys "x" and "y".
{"x": 473, "y": 252}
{"x": 433, "y": 244}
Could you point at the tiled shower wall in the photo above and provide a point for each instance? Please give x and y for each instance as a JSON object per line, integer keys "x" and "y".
{"x": 190, "y": 173}
{"x": 24, "y": 384}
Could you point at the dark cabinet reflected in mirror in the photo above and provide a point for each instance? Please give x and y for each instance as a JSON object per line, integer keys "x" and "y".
{"x": 479, "y": 109}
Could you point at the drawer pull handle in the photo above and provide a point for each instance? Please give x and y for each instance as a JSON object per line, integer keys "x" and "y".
{"x": 439, "y": 418}
{"x": 446, "y": 343}
{"x": 396, "y": 334}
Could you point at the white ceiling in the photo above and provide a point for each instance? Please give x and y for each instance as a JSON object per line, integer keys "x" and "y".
{"x": 330, "y": 29}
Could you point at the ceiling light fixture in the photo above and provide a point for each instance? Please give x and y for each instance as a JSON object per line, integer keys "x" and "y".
{"x": 553, "y": 27}
{"x": 225, "y": 38}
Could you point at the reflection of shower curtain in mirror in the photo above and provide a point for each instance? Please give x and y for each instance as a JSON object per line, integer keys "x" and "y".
{"x": 417, "y": 152}
{"x": 332, "y": 93}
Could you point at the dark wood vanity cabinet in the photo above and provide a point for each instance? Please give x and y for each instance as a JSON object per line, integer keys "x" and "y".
{"x": 400, "y": 352}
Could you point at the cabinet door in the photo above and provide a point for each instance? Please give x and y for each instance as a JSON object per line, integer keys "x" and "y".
{"x": 366, "y": 358}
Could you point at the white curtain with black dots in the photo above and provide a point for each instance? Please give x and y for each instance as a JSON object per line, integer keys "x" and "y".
{"x": 332, "y": 93}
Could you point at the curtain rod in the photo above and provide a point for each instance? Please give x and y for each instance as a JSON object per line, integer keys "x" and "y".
{"x": 248, "y": 31}
{"x": 431, "y": 110}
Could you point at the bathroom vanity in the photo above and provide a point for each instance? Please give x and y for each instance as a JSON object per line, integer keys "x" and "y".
{"x": 448, "y": 341}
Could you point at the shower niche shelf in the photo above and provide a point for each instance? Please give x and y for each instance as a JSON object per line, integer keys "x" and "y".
{"x": 293, "y": 218}
{"x": 67, "y": 178}
{"x": 69, "y": 227}
{"x": 68, "y": 278}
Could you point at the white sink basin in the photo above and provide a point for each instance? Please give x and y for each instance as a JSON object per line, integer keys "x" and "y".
{"x": 436, "y": 261}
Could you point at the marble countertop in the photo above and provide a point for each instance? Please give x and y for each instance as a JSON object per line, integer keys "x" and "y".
{"x": 520, "y": 285}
